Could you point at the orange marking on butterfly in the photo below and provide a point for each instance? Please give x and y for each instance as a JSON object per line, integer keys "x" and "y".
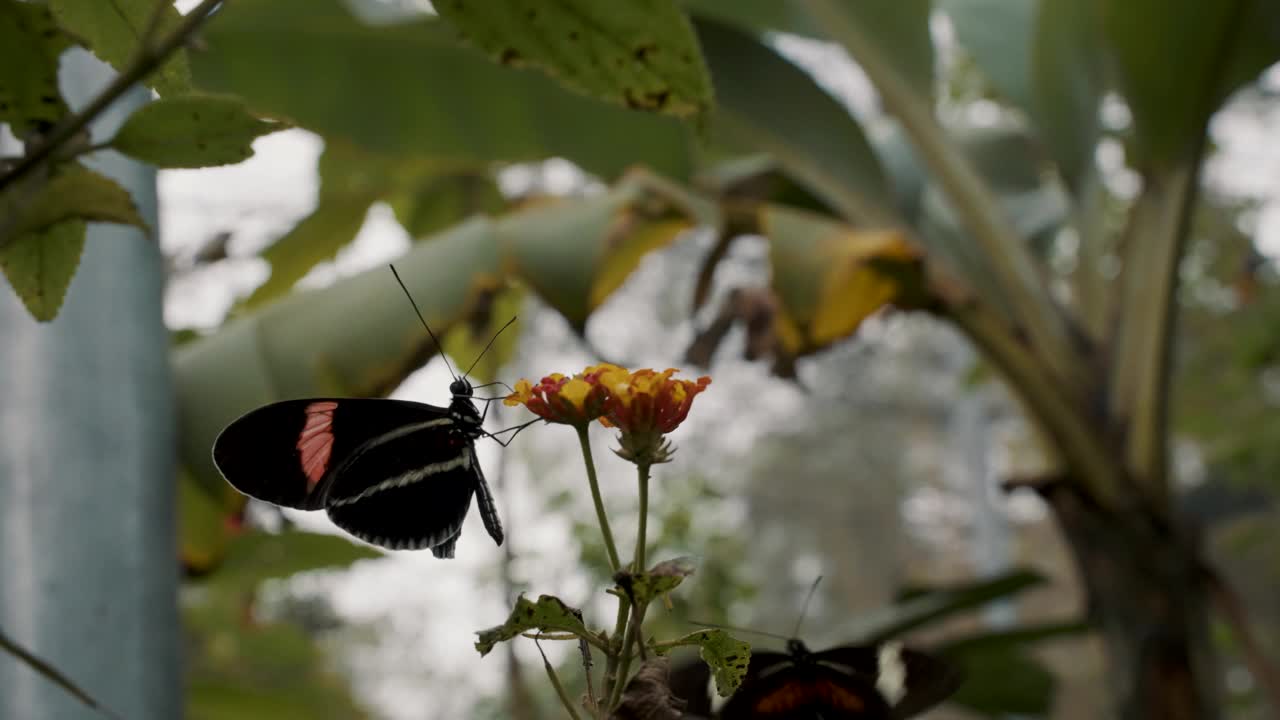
{"x": 797, "y": 695}
{"x": 315, "y": 443}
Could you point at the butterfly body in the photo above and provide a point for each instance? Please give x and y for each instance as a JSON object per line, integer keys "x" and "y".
{"x": 395, "y": 473}
{"x": 853, "y": 682}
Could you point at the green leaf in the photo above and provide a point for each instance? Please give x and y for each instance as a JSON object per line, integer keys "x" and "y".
{"x": 489, "y": 311}
{"x": 317, "y": 237}
{"x": 659, "y": 580}
{"x": 40, "y": 265}
{"x": 829, "y": 277}
{"x": 112, "y": 29}
{"x": 923, "y": 606}
{"x": 191, "y": 131}
{"x": 727, "y": 656}
{"x": 1002, "y": 681}
{"x": 30, "y": 43}
{"x": 1068, "y": 84}
{"x": 204, "y": 529}
{"x": 443, "y": 200}
{"x": 757, "y": 16}
{"x": 641, "y": 54}
{"x": 998, "y": 35}
{"x": 74, "y": 193}
{"x": 1214, "y": 46}
{"x": 769, "y": 104}
{"x": 255, "y": 556}
{"x": 549, "y": 614}
{"x": 437, "y": 110}
{"x": 893, "y": 36}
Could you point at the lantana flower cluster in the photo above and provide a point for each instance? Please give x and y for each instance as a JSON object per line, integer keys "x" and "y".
{"x": 644, "y": 405}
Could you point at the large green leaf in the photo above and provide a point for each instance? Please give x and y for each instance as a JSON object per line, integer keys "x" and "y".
{"x": 1177, "y": 60}
{"x": 757, "y": 16}
{"x": 412, "y": 89}
{"x": 74, "y": 193}
{"x": 113, "y": 28}
{"x": 998, "y": 35}
{"x": 641, "y": 54}
{"x": 766, "y": 103}
{"x": 884, "y": 36}
{"x": 1069, "y": 81}
{"x": 440, "y": 200}
{"x": 191, "y": 131}
{"x": 30, "y": 43}
{"x": 40, "y": 265}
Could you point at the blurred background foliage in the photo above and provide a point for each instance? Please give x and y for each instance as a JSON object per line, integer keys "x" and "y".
{"x": 770, "y": 220}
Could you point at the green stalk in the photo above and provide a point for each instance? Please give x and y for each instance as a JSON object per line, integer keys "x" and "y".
{"x": 633, "y": 629}
{"x": 624, "y": 662}
{"x": 615, "y": 650}
{"x": 603, "y": 519}
{"x": 643, "y": 470}
{"x": 559, "y": 687}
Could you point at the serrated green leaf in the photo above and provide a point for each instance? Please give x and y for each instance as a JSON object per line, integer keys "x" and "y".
{"x": 191, "y": 131}
{"x": 112, "y": 29}
{"x": 30, "y": 43}
{"x": 727, "y": 656}
{"x": 74, "y": 193}
{"x": 659, "y": 580}
{"x": 435, "y": 111}
{"x": 770, "y": 105}
{"x": 548, "y": 614}
{"x": 641, "y": 54}
{"x": 40, "y": 265}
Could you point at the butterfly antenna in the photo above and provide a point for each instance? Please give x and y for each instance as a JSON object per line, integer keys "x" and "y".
{"x": 717, "y": 626}
{"x": 486, "y": 347}
{"x": 804, "y": 609}
{"x": 439, "y": 347}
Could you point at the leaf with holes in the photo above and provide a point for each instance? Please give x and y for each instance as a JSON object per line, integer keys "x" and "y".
{"x": 727, "y": 656}
{"x": 548, "y": 614}
{"x": 191, "y": 131}
{"x": 30, "y": 43}
{"x": 659, "y": 580}
{"x": 641, "y": 54}
{"x": 40, "y": 265}
{"x": 112, "y": 29}
{"x": 829, "y": 277}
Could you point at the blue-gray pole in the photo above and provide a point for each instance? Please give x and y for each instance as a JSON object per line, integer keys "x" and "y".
{"x": 88, "y": 565}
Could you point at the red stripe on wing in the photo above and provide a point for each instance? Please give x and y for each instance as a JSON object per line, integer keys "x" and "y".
{"x": 315, "y": 442}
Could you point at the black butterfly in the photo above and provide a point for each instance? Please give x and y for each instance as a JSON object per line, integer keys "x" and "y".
{"x": 394, "y": 473}
{"x": 852, "y": 682}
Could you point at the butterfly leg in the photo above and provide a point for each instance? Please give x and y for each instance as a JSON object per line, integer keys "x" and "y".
{"x": 491, "y": 384}
{"x": 516, "y": 428}
{"x": 488, "y": 509}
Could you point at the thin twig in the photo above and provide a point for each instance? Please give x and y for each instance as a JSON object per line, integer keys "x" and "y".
{"x": 1264, "y": 672}
{"x": 555, "y": 683}
{"x": 146, "y": 59}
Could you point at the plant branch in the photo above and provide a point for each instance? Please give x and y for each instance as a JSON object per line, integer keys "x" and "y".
{"x": 615, "y": 641}
{"x": 1008, "y": 256}
{"x": 52, "y": 674}
{"x": 147, "y": 58}
{"x": 643, "y": 471}
{"x": 1264, "y": 672}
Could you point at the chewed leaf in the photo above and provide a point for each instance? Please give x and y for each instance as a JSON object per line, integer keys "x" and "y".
{"x": 30, "y": 43}
{"x": 727, "y": 656}
{"x": 659, "y": 580}
{"x": 191, "y": 131}
{"x": 549, "y": 613}
{"x": 641, "y": 54}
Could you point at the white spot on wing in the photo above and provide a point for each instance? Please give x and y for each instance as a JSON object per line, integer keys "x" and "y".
{"x": 891, "y": 676}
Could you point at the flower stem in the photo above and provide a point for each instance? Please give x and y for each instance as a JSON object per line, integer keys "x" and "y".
{"x": 643, "y": 469}
{"x": 616, "y": 648}
{"x": 599, "y": 502}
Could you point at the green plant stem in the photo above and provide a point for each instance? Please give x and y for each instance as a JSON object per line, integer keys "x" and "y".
{"x": 603, "y": 518}
{"x": 643, "y": 474}
{"x": 559, "y": 687}
{"x": 624, "y": 662}
{"x": 1009, "y": 258}
{"x": 147, "y": 58}
{"x": 615, "y": 650}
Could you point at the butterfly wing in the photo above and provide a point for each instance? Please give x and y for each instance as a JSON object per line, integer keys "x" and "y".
{"x": 912, "y": 681}
{"x": 407, "y": 489}
{"x": 807, "y": 692}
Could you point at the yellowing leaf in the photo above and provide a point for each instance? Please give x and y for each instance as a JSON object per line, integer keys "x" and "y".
{"x": 630, "y": 249}
{"x": 829, "y": 276}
